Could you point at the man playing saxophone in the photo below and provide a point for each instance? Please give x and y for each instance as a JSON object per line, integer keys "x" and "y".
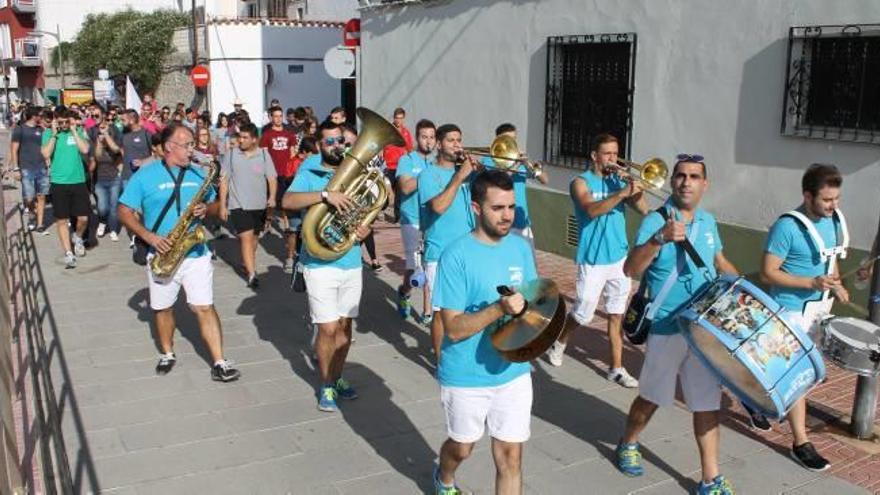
{"x": 162, "y": 192}
{"x": 334, "y": 286}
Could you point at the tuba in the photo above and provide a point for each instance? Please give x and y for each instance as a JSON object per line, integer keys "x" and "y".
{"x": 327, "y": 233}
{"x": 180, "y": 237}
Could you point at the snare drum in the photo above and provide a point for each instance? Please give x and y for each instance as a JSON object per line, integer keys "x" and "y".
{"x": 745, "y": 337}
{"x": 852, "y": 344}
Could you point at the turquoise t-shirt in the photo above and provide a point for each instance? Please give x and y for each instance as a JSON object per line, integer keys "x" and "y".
{"x": 521, "y": 217}
{"x": 792, "y": 242}
{"x": 601, "y": 240}
{"x": 311, "y": 163}
{"x": 150, "y": 188}
{"x": 314, "y": 180}
{"x": 67, "y": 162}
{"x": 691, "y": 279}
{"x": 467, "y": 279}
{"x": 456, "y": 221}
{"x": 411, "y": 165}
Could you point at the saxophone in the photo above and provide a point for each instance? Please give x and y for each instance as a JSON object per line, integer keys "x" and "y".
{"x": 327, "y": 233}
{"x": 180, "y": 237}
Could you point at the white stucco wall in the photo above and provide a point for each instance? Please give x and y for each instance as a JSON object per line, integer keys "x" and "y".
{"x": 709, "y": 80}
{"x": 331, "y": 10}
{"x": 239, "y": 54}
{"x": 70, "y": 14}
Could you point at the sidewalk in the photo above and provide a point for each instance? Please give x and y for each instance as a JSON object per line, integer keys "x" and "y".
{"x": 128, "y": 431}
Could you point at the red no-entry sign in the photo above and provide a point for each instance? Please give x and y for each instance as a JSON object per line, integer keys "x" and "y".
{"x": 200, "y": 76}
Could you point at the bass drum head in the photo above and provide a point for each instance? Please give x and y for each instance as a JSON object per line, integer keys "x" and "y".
{"x": 734, "y": 373}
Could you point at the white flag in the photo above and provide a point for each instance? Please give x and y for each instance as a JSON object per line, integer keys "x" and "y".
{"x": 132, "y": 100}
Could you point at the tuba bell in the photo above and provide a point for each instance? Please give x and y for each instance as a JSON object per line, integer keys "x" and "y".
{"x": 328, "y": 233}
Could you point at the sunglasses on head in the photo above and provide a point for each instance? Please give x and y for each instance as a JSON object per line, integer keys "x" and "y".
{"x": 337, "y": 140}
{"x": 684, "y": 157}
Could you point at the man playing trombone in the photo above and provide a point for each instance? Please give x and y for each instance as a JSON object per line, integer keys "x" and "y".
{"x": 599, "y": 195}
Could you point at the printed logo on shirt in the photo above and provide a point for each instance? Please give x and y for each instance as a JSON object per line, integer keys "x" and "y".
{"x": 710, "y": 239}
{"x": 516, "y": 275}
{"x": 71, "y": 140}
{"x": 599, "y": 195}
{"x": 280, "y": 143}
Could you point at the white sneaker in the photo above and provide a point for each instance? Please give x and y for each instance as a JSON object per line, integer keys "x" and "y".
{"x": 79, "y": 247}
{"x": 557, "y": 350}
{"x": 621, "y": 377}
{"x": 114, "y": 236}
{"x": 69, "y": 260}
{"x": 101, "y": 229}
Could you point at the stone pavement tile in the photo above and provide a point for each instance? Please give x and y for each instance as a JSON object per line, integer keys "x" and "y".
{"x": 328, "y": 432}
{"x": 751, "y": 474}
{"x": 194, "y": 457}
{"x": 100, "y": 443}
{"x": 385, "y": 483}
{"x": 109, "y": 416}
{"x": 172, "y": 430}
{"x": 827, "y": 485}
{"x": 264, "y": 416}
{"x": 152, "y": 387}
{"x": 564, "y": 448}
{"x": 596, "y": 476}
{"x": 477, "y": 472}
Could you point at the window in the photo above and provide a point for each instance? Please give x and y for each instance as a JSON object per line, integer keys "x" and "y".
{"x": 5, "y": 42}
{"x": 295, "y": 69}
{"x": 832, "y": 86}
{"x": 590, "y": 80}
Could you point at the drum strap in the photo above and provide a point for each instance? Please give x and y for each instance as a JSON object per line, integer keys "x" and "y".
{"x": 679, "y": 266}
{"x": 827, "y": 254}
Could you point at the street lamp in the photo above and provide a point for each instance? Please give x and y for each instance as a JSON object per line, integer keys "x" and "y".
{"x": 57, "y": 36}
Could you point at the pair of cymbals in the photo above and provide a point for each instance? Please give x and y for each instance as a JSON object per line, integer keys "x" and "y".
{"x": 528, "y": 335}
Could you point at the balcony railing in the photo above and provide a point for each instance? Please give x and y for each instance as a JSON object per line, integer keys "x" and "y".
{"x": 24, "y": 6}
{"x": 27, "y": 52}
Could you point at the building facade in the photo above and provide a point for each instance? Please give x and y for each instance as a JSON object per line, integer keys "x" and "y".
{"x": 761, "y": 89}
{"x": 22, "y": 66}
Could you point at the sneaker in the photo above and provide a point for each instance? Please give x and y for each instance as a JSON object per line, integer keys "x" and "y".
{"x": 288, "y": 265}
{"x": 327, "y": 399}
{"x": 376, "y": 267}
{"x": 719, "y": 486}
{"x": 101, "y": 230}
{"x": 252, "y": 281}
{"x": 222, "y": 371}
{"x": 131, "y": 242}
{"x": 166, "y": 362}
{"x": 557, "y": 350}
{"x": 79, "y": 247}
{"x": 403, "y": 305}
{"x": 807, "y": 457}
{"x": 621, "y": 377}
{"x": 114, "y": 236}
{"x": 440, "y": 488}
{"x": 42, "y": 230}
{"x": 629, "y": 459}
{"x": 756, "y": 420}
{"x": 426, "y": 319}
{"x": 344, "y": 389}
{"x": 31, "y": 225}
{"x": 69, "y": 260}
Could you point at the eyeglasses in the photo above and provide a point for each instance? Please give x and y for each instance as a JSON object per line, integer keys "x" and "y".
{"x": 337, "y": 140}
{"x": 190, "y": 145}
{"x": 684, "y": 157}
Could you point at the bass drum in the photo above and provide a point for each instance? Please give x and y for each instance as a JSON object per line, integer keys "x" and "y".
{"x": 745, "y": 337}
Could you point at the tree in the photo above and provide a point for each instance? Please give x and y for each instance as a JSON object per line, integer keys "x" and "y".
{"x": 53, "y": 56}
{"x": 127, "y": 42}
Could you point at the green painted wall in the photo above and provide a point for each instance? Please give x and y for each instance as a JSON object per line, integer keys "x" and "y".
{"x": 743, "y": 247}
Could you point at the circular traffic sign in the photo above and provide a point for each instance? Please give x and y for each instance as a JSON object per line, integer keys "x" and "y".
{"x": 339, "y": 62}
{"x": 200, "y": 76}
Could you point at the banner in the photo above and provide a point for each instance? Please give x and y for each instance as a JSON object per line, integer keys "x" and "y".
{"x": 132, "y": 100}
{"x": 78, "y": 96}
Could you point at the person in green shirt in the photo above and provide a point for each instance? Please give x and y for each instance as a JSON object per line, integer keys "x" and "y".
{"x": 63, "y": 147}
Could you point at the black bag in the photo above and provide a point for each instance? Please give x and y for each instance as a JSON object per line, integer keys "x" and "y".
{"x": 141, "y": 248}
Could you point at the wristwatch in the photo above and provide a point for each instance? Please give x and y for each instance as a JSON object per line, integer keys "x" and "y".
{"x": 659, "y": 238}
{"x": 324, "y": 196}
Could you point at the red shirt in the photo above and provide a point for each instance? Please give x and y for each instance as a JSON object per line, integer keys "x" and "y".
{"x": 150, "y": 126}
{"x": 278, "y": 144}
{"x": 294, "y": 163}
{"x": 392, "y": 154}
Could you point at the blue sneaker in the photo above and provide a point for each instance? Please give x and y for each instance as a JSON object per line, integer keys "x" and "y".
{"x": 327, "y": 399}
{"x": 440, "y": 488}
{"x": 719, "y": 486}
{"x": 426, "y": 320}
{"x": 629, "y": 459}
{"x": 344, "y": 389}
{"x": 403, "y": 305}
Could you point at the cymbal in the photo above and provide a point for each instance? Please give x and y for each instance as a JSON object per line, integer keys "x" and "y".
{"x": 528, "y": 336}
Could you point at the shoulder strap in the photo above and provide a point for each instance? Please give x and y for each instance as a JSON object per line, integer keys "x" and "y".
{"x": 842, "y": 233}
{"x": 175, "y": 194}
{"x": 686, "y": 243}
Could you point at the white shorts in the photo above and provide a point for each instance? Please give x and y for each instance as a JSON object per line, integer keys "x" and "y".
{"x": 410, "y": 235}
{"x": 507, "y": 409}
{"x": 430, "y": 278}
{"x": 668, "y": 357}
{"x": 600, "y": 280}
{"x": 195, "y": 275}
{"x": 334, "y": 293}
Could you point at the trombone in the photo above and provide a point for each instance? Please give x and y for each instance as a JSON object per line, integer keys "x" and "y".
{"x": 505, "y": 153}
{"x": 652, "y": 175}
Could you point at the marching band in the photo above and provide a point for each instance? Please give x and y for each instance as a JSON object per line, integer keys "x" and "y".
{"x": 464, "y": 224}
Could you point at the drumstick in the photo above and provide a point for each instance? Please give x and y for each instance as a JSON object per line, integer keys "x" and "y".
{"x": 861, "y": 265}
{"x": 860, "y": 310}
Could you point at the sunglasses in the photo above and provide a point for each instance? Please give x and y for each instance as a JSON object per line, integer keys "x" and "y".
{"x": 337, "y": 140}
{"x": 684, "y": 157}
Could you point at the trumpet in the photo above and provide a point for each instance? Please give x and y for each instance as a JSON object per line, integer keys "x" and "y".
{"x": 505, "y": 154}
{"x": 652, "y": 175}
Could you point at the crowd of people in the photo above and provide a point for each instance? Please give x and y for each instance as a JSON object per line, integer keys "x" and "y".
{"x": 464, "y": 225}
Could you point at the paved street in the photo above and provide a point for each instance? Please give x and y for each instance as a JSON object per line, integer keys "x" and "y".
{"x": 128, "y": 431}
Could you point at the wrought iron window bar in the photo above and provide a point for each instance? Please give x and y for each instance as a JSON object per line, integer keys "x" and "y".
{"x": 832, "y": 88}
{"x": 590, "y": 88}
